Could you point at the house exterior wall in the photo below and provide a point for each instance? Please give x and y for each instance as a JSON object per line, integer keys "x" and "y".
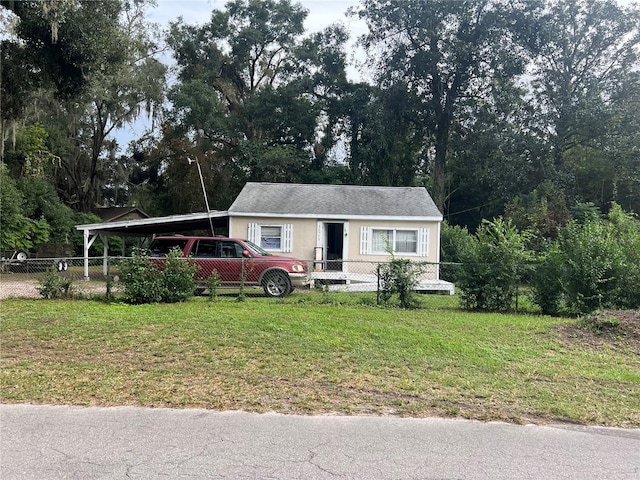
{"x": 305, "y": 233}
{"x": 430, "y": 254}
{"x": 303, "y": 239}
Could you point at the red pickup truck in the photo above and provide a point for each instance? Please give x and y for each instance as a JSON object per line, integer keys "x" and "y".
{"x": 233, "y": 259}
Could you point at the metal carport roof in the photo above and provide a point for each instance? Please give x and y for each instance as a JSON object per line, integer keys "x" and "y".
{"x": 146, "y": 227}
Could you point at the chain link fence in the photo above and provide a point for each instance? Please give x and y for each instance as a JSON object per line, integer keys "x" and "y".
{"x": 22, "y": 278}
{"x": 259, "y": 278}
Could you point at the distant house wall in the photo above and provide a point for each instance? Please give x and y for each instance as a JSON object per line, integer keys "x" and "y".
{"x": 119, "y": 214}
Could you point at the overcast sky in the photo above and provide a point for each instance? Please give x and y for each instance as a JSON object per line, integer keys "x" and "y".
{"x": 321, "y": 12}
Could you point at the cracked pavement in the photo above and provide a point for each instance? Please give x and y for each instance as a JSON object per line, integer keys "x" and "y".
{"x": 53, "y": 442}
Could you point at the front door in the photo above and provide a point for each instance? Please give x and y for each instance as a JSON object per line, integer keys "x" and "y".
{"x": 335, "y": 253}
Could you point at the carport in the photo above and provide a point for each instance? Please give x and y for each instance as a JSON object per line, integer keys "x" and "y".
{"x": 213, "y": 221}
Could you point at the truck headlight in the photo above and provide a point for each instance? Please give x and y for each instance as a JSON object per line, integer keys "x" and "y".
{"x": 298, "y": 268}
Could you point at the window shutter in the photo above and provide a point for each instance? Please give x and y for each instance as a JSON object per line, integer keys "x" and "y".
{"x": 287, "y": 237}
{"x": 320, "y": 235}
{"x": 253, "y": 234}
{"x": 423, "y": 242}
{"x": 365, "y": 240}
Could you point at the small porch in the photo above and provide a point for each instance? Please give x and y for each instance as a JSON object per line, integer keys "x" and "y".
{"x": 342, "y": 281}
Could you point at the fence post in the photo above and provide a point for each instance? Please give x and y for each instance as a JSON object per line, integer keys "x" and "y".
{"x": 378, "y": 287}
{"x": 517, "y": 287}
{"x": 108, "y": 278}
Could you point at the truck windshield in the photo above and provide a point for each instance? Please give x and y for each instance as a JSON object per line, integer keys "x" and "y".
{"x": 256, "y": 249}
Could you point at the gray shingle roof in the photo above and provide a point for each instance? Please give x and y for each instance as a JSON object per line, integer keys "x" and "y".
{"x": 345, "y": 200}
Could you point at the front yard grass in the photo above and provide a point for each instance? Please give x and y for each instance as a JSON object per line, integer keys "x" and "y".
{"x": 314, "y": 354}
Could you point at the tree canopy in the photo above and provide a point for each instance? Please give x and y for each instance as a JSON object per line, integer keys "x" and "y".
{"x": 522, "y": 109}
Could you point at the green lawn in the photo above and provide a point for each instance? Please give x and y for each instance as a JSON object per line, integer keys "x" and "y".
{"x": 313, "y": 354}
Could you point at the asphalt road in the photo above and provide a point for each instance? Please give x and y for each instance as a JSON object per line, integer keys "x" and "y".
{"x": 44, "y": 442}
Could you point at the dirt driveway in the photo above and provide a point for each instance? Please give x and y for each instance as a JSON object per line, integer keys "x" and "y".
{"x": 14, "y": 286}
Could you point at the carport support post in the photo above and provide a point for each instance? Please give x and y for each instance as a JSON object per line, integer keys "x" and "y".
{"x": 85, "y": 254}
{"x": 87, "y": 245}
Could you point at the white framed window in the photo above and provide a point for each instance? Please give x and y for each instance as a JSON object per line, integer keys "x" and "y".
{"x": 274, "y": 238}
{"x": 404, "y": 241}
{"x": 271, "y": 237}
{"x": 382, "y": 240}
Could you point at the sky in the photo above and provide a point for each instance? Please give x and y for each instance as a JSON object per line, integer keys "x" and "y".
{"x": 321, "y": 14}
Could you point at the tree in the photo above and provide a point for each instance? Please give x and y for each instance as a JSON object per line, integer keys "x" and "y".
{"x": 443, "y": 50}
{"x": 30, "y": 155}
{"x": 225, "y": 65}
{"x": 584, "y": 55}
{"x": 250, "y": 96}
{"x": 111, "y": 79}
{"x": 386, "y": 138}
{"x": 496, "y": 154}
{"x": 18, "y": 232}
{"x": 64, "y": 42}
{"x": 606, "y": 168}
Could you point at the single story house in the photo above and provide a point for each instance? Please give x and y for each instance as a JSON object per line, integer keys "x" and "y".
{"x": 344, "y": 231}
{"x": 338, "y": 226}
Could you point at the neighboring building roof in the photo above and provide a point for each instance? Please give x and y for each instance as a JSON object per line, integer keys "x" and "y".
{"x": 309, "y": 200}
{"x": 116, "y": 214}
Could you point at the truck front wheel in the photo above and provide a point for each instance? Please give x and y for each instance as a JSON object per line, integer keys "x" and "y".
{"x": 276, "y": 284}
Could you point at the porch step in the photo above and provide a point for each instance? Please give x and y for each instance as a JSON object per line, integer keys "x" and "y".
{"x": 360, "y": 282}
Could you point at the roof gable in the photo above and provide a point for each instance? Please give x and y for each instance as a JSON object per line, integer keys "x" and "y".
{"x": 115, "y": 214}
{"x": 332, "y": 200}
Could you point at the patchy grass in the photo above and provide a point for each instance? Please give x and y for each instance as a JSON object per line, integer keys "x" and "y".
{"x": 313, "y": 354}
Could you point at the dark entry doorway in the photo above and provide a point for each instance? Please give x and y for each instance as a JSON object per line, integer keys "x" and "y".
{"x": 335, "y": 245}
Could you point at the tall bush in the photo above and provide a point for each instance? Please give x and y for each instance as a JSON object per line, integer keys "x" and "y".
{"x": 454, "y": 241}
{"x": 178, "y": 282}
{"x": 493, "y": 264}
{"x": 547, "y": 281}
{"x": 145, "y": 282}
{"x": 141, "y": 279}
{"x": 591, "y": 258}
{"x": 594, "y": 264}
{"x": 399, "y": 277}
{"x": 626, "y": 228}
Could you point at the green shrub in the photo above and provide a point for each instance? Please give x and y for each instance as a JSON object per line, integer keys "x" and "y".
{"x": 454, "y": 242}
{"x": 178, "y": 282}
{"x": 626, "y": 231}
{"x": 590, "y": 259}
{"x": 141, "y": 278}
{"x": 399, "y": 277}
{"x": 54, "y": 285}
{"x": 595, "y": 264}
{"x": 494, "y": 263}
{"x": 213, "y": 284}
{"x": 547, "y": 282}
{"x": 145, "y": 282}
